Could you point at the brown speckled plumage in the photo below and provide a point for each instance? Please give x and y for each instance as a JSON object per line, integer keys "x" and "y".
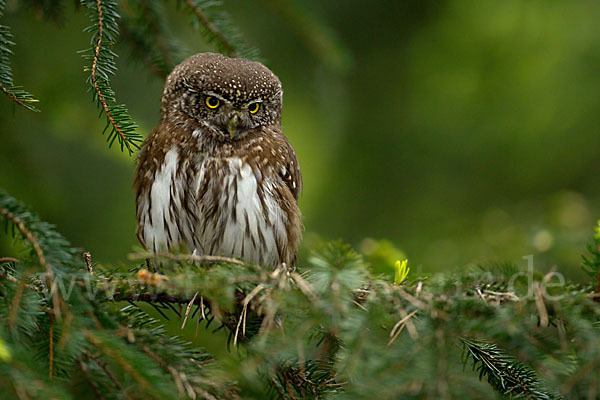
{"x": 220, "y": 181}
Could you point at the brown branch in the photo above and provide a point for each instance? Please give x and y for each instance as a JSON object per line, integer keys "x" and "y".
{"x": 160, "y": 39}
{"x": 598, "y": 280}
{"x": 185, "y": 257}
{"x": 153, "y": 298}
{"x": 230, "y": 320}
{"x": 15, "y": 303}
{"x": 187, "y": 310}
{"x": 180, "y": 379}
{"x": 56, "y": 301}
{"x": 19, "y": 102}
{"x": 51, "y": 345}
{"x": 93, "y": 74}
{"x": 90, "y": 380}
{"x": 8, "y": 260}
{"x": 592, "y": 365}
{"x": 161, "y": 44}
{"x": 500, "y": 366}
{"x": 20, "y": 224}
{"x": 212, "y": 28}
{"x": 104, "y": 367}
{"x": 126, "y": 35}
{"x": 400, "y": 325}
{"x": 11, "y": 278}
{"x": 31, "y": 238}
{"x": 144, "y": 384}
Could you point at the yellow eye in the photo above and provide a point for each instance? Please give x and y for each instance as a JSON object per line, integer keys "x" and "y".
{"x": 253, "y": 108}
{"x": 212, "y": 102}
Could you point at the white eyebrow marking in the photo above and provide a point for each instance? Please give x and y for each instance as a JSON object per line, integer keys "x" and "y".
{"x": 218, "y": 96}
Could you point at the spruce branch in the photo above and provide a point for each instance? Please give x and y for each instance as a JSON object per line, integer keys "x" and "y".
{"x": 118, "y": 358}
{"x": 145, "y": 27}
{"x": 20, "y": 224}
{"x": 504, "y": 373}
{"x": 314, "y": 332}
{"x": 45, "y": 245}
{"x": 104, "y": 367}
{"x": 15, "y": 93}
{"x": 217, "y": 28}
{"x": 16, "y": 301}
{"x": 185, "y": 257}
{"x": 592, "y": 265}
{"x": 104, "y": 16}
{"x": 32, "y": 239}
{"x": 48, "y": 9}
{"x": 220, "y": 37}
{"x": 90, "y": 380}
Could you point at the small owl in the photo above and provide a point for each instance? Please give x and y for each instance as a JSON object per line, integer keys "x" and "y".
{"x": 217, "y": 176}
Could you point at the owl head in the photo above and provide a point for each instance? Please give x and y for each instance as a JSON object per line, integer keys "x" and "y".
{"x": 227, "y": 97}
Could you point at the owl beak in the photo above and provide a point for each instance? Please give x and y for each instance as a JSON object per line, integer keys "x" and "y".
{"x": 233, "y": 125}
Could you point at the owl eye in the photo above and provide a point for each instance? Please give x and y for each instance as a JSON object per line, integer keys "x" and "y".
{"x": 253, "y": 108}
{"x": 212, "y": 102}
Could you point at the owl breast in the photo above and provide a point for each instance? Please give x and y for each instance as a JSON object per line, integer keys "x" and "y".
{"x": 217, "y": 206}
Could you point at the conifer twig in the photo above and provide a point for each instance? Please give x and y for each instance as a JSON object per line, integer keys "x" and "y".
{"x": 93, "y": 76}
{"x": 185, "y": 257}
{"x": 598, "y": 279}
{"x": 400, "y": 326}
{"x": 541, "y": 306}
{"x": 592, "y": 265}
{"x": 20, "y": 224}
{"x": 217, "y": 28}
{"x": 16, "y": 303}
{"x": 153, "y": 298}
{"x": 95, "y": 341}
{"x": 242, "y": 318}
{"x": 20, "y": 97}
{"x": 505, "y": 374}
{"x": 51, "y": 345}
{"x": 228, "y": 46}
{"x": 104, "y": 367}
{"x": 145, "y": 27}
{"x": 90, "y": 380}
{"x": 187, "y": 310}
{"x": 104, "y": 15}
{"x": 14, "y": 93}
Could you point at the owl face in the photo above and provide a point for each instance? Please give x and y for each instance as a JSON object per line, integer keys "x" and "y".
{"x": 228, "y": 97}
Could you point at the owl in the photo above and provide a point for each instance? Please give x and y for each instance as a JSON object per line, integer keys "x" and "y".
{"x": 217, "y": 176}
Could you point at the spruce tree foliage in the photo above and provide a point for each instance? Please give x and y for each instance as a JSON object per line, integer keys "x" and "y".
{"x": 504, "y": 373}
{"x": 145, "y": 28}
{"x": 15, "y": 93}
{"x": 330, "y": 329}
{"x": 104, "y": 16}
{"x": 73, "y": 327}
{"x": 216, "y": 27}
{"x": 591, "y": 263}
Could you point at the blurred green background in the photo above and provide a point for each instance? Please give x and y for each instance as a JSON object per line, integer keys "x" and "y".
{"x": 462, "y": 131}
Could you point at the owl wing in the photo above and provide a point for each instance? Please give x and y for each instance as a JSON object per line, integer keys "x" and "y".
{"x": 291, "y": 172}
